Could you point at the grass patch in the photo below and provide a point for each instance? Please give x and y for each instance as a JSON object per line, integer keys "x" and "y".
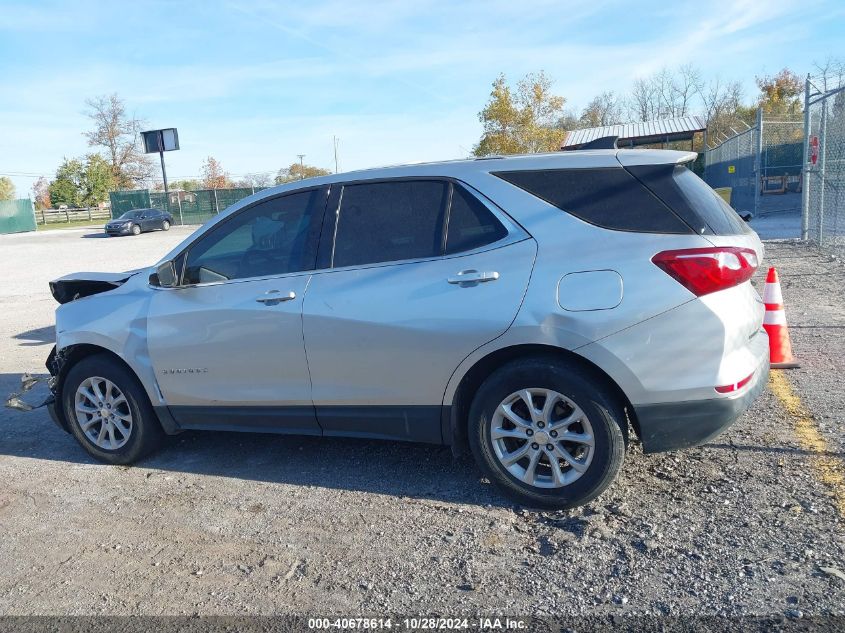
{"x": 75, "y": 224}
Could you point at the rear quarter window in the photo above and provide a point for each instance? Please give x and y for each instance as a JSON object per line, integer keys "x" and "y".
{"x": 691, "y": 199}
{"x": 607, "y": 197}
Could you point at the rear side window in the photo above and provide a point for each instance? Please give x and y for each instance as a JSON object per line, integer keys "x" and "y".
{"x": 389, "y": 221}
{"x": 607, "y": 197}
{"x": 691, "y": 198}
{"x": 471, "y": 224}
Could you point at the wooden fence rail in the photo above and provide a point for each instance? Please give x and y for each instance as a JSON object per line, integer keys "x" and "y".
{"x": 56, "y": 216}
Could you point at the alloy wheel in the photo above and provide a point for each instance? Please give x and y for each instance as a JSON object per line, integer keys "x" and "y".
{"x": 542, "y": 438}
{"x": 103, "y": 413}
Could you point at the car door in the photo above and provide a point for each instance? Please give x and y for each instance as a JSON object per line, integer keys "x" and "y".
{"x": 405, "y": 301}
{"x": 227, "y": 344}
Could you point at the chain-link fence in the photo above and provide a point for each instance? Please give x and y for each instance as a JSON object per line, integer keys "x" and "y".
{"x": 824, "y": 200}
{"x": 761, "y": 167}
{"x": 186, "y": 207}
{"x": 732, "y": 164}
{"x": 16, "y": 216}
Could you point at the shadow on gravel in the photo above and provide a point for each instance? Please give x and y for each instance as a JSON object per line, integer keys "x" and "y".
{"x": 391, "y": 468}
{"x": 96, "y": 235}
{"x": 38, "y": 336}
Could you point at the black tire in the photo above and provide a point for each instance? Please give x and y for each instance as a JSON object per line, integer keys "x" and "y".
{"x": 146, "y": 433}
{"x": 604, "y": 414}
{"x": 136, "y": 230}
{"x": 165, "y": 226}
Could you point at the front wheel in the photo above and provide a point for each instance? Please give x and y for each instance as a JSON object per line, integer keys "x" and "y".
{"x": 136, "y": 230}
{"x": 165, "y": 226}
{"x": 108, "y": 411}
{"x": 546, "y": 434}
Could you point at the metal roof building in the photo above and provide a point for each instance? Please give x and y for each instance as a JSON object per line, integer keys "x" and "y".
{"x": 645, "y": 133}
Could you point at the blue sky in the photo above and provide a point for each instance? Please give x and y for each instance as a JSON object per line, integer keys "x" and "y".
{"x": 256, "y": 83}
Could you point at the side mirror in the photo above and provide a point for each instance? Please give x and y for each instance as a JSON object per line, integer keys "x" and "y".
{"x": 164, "y": 276}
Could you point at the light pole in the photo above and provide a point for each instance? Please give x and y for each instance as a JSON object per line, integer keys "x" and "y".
{"x": 301, "y": 166}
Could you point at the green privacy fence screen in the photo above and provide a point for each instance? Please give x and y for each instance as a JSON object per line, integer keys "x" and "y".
{"x": 16, "y": 216}
{"x": 186, "y": 207}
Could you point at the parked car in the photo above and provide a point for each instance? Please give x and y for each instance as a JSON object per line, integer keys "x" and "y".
{"x": 528, "y": 308}
{"x": 138, "y": 221}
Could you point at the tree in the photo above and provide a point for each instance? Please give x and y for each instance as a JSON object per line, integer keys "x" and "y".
{"x": 188, "y": 184}
{"x": 724, "y": 113}
{"x": 7, "y": 188}
{"x": 97, "y": 180}
{"x": 213, "y": 175}
{"x": 81, "y": 184}
{"x": 665, "y": 94}
{"x": 522, "y": 121}
{"x": 66, "y": 186}
{"x": 41, "y": 193}
{"x": 602, "y": 110}
{"x": 780, "y": 95}
{"x": 295, "y": 171}
{"x": 118, "y": 135}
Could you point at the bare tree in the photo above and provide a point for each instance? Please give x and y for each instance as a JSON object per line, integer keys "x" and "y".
{"x": 723, "y": 110}
{"x": 602, "y": 110}
{"x": 830, "y": 73}
{"x": 644, "y": 100}
{"x": 118, "y": 135}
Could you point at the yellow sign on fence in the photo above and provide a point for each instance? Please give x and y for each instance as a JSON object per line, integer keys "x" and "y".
{"x": 731, "y": 169}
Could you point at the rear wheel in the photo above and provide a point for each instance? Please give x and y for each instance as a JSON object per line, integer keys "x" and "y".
{"x": 165, "y": 226}
{"x": 136, "y": 230}
{"x": 108, "y": 411}
{"x": 546, "y": 434}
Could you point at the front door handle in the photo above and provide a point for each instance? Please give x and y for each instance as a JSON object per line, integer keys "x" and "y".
{"x": 273, "y": 297}
{"x": 473, "y": 277}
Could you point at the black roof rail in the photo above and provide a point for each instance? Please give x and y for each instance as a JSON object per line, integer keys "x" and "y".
{"x": 605, "y": 142}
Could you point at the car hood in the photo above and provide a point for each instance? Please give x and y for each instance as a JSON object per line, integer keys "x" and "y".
{"x": 78, "y": 285}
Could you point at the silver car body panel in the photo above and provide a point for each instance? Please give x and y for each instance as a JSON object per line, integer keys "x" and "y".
{"x": 398, "y": 334}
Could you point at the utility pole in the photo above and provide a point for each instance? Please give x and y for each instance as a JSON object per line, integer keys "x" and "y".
{"x": 301, "y": 166}
{"x": 334, "y": 140}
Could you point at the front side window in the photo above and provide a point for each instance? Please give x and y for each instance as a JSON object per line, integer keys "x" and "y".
{"x": 273, "y": 237}
{"x": 389, "y": 221}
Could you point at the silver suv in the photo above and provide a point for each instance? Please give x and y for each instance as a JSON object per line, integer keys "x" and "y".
{"x": 529, "y": 308}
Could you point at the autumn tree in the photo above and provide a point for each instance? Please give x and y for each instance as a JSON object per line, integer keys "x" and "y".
{"x": 41, "y": 193}
{"x": 7, "y": 188}
{"x": 117, "y": 134}
{"x": 213, "y": 175}
{"x": 603, "y": 110}
{"x": 780, "y": 95}
{"x": 295, "y": 171}
{"x": 521, "y": 121}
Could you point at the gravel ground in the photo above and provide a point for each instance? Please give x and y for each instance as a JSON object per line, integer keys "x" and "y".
{"x": 222, "y": 523}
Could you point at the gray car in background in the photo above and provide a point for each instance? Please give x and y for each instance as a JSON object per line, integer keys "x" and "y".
{"x": 530, "y": 309}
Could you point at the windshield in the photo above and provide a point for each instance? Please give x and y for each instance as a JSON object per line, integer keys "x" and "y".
{"x": 130, "y": 215}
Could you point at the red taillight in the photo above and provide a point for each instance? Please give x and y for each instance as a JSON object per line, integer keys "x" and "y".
{"x": 706, "y": 270}
{"x": 736, "y": 386}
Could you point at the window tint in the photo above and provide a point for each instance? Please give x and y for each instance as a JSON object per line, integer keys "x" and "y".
{"x": 714, "y": 211}
{"x": 389, "y": 221}
{"x": 273, "y": 237}
{"x": 611, "y": 198}
{"x": 471, "y": 224}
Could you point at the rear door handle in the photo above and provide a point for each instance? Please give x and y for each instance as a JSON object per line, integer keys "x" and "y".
{"x": 273, "y": 297}
{"x": 473, "y": 277}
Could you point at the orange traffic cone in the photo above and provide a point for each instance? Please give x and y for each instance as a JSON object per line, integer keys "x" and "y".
{"x": 780, "y": 348}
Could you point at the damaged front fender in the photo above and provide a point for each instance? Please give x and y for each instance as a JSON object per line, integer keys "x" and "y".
{"x": 77, "y": 285}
